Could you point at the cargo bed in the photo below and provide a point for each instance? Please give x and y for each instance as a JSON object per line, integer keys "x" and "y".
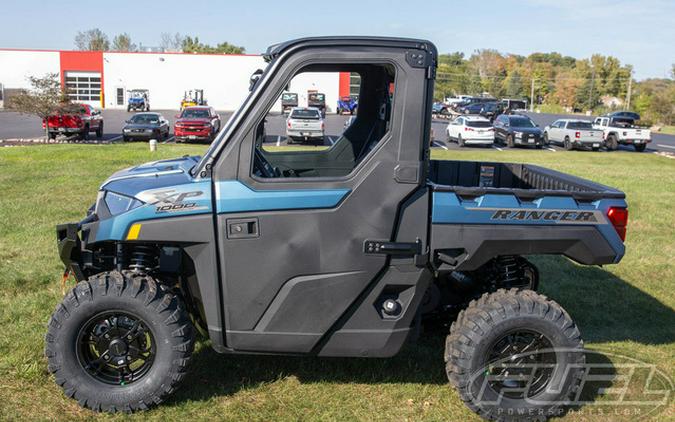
{"x": 526, "y": 181}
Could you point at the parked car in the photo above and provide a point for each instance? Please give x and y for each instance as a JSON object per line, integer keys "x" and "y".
{"x": 145, "y": 126}
{"x": 491, "y": 110}
{"x": 288, "y": 101}
{"x": 79, "y": 119}
{"x": 317, "y": 100}
{"x": 471, "y": 108}
{"x": 197, "y": 123}
{"x": 516, "y": 129}
{"x": 572, "y": 133}
{"x": 274, "y": 253}
{"x": 305, "y": 124}
{"x": 619, "y": 128}
{"x": 470, "y": 130}
{"x": 440, "y": 108}
{"x": 471, "y": 100}
{"x": 347, "y": 104}
{"x": 138, "y": 99}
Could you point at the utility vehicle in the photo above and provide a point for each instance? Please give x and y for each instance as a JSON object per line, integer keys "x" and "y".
{"x": 138, "y": 99}
{"x": 339, "y": 251}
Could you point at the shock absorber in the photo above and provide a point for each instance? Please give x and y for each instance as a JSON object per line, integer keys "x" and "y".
{"x": 143, "y": 258}
{"x": 509, "y": 274}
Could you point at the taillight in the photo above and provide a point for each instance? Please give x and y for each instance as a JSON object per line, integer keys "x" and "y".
{"x": 323, "y": 125}
{"x": 577, "y": 135}
{"x": 468, "y": 129}
{"x": 288, "y": 122}
{"x": 619, "y": 219}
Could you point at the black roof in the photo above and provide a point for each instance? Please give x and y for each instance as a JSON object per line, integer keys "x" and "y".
{"x": 275, "y": 50}
{"x": 623, "y": 115}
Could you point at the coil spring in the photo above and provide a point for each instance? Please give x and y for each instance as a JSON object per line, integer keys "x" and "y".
{"x": 510, "y": 274}
{"x": 143, "y": 258}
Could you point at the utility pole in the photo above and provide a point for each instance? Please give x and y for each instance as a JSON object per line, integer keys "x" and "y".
{"x": 590, "y": 91}
{"x": 532, "y": 96}
{"x": 630, "y": 86}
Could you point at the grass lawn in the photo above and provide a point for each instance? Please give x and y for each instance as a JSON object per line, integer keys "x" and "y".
{"x": 669, "y": 130}
{"x": 625, "y": 309}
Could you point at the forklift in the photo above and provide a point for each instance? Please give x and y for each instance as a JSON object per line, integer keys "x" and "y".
{"x": 193, "y": 98}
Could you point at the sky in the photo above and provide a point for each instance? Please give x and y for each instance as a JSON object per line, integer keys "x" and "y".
{"x": 640, "y": 33}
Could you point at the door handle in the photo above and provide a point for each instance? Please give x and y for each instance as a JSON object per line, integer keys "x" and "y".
{"x": 242, "y": 228}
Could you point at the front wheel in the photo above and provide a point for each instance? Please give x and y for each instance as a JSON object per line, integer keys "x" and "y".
{"x": 509, "y": 141}
{"x": 514, "y": 352}
{"x": 460, "y": 140}
{"x": 99, "y": 131}
{"x": 546, "y": 140}
{"x": 119, "y": 342}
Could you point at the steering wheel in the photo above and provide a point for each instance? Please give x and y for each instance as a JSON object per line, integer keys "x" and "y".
{"x": 263, "y": 168}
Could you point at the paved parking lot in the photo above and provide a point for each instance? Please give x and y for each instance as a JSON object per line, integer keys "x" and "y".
{"x": 15, "y": 125}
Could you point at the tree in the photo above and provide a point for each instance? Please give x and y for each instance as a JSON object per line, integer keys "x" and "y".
{"x": 92, "y": 40}
{"x": 171, "y": 42}
{"x": 192, "y": 45}
{"x": 122, "y": 42}
{"x": 45, "y": 98}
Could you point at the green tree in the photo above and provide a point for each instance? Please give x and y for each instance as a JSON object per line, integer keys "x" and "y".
{"x": 92, "y": 40}
{"x": 46, "y": 97}
{"x": 122, "y": 42}
{"x": 193, "y": 45}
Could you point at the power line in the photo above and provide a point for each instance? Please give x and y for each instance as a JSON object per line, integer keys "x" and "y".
{"x": 447, "y": 75}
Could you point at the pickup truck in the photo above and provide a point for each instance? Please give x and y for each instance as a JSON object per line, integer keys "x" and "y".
{"x": 305, "y": 124}
{"x": 573, "y": 134}
{"x": 343, "y": 251}
{"x": 80, "y": 122}
{"x": 619, "y": 129}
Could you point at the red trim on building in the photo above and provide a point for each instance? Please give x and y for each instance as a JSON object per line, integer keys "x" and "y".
{"x": 126, "y": 52}
{"x": 82, "y": 61}
{"x": 343, "y": 90}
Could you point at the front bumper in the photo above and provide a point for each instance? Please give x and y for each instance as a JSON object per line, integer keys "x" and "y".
{"x": 182, "y": 134}
{"x": 69, "y": 246}
{"x": 528, "y": 139}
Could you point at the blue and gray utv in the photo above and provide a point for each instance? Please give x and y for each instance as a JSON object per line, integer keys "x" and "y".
{"x": 138, "y": 99}
{"x": 344, "y": 251}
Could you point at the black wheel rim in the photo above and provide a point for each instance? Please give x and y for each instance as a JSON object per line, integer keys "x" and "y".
{"x": 116, "y": 348}
{"x": 520, "y": 364}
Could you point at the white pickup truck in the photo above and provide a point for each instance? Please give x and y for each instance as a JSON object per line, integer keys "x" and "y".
{"x": 619, "y": 129}
{"x": 573, "y": 134}
{"x": 304, "y": 123}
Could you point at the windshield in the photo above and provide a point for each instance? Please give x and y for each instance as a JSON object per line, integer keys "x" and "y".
{"x": 522, "y": 122}
{"x": 579, "y": 125}
{"x": 145, "y": 119}
{"x": 195, "y": 113}
{"x": 316, "y": 97}
{"x": 136, "y": 94}
{"x": 478, "y": 123}
{"x": 289, "y": 97}
{"x": 305, "y": 114}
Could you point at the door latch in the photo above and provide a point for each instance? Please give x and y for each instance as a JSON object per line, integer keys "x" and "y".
{"x": 242, "y": 228}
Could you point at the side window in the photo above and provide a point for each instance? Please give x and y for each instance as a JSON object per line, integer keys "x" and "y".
{"x": 325, "y": 134}
{"x": 460, "y": 121}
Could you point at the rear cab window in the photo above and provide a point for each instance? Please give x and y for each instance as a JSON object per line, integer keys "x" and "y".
{"x": 579, "y": 125}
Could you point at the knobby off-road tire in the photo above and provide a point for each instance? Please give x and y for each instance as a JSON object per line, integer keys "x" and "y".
{"x": 148, "y": 308}
{"x": 640, "y": 147}
{"x": 483, "y": 326}
{"x": 612, "y": 144}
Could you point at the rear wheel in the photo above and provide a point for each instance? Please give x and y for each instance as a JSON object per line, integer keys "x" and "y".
{"x": 514, "y": 352}
{"x": 52, "y": 135}
{"x": 640, "y": 147}
{"x": 119, "y": 342}
{"x": 568, "y": 144}
{"x": 612, "y": 144}
{"x": 128, "y": 108}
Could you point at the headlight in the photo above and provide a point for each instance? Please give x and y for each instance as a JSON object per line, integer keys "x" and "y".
{"x": 127, "y": 130}
{"x": 117, "y": 204}
{"x": 518, "y": 134}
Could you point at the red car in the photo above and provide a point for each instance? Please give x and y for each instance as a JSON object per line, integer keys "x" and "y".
{"x": 86, "y": 119}
{"x": 197, "y": 123}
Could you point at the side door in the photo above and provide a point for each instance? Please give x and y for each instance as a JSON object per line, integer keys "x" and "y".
{"x": 454, "y": 127}
{"x": 498, "y": 126}
{"x": 303, "y": 234}
{"x": 554, "y": 132}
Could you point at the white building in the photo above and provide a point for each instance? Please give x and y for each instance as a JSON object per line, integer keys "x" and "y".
{"x": 103, "y": 79}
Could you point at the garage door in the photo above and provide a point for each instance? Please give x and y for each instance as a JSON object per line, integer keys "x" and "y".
{"x": 84, "y": 87}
